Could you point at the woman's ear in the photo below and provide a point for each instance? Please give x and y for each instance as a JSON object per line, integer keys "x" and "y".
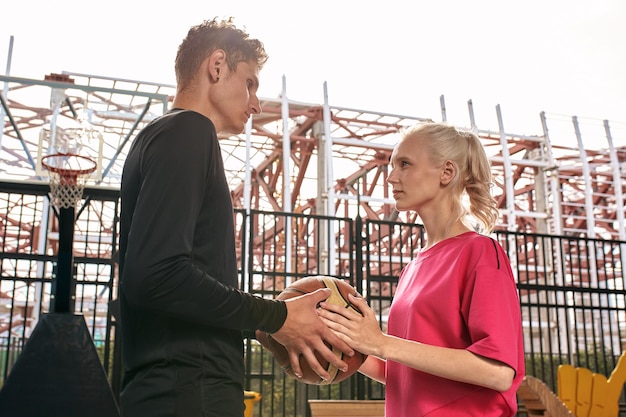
{"x": 448, "y": 172}
{"x": 216, "y": 65}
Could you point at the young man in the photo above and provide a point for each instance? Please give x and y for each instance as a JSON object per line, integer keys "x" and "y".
{"x": 181, "y": 314}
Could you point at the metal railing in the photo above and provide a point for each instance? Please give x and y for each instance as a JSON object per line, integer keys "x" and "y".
{"x": 571, "y": 289}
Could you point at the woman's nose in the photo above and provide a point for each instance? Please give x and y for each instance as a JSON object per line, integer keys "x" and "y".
{"x": 391, "y": 178}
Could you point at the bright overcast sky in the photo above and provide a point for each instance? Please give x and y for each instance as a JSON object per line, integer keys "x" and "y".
{"x": 391, "y": 56}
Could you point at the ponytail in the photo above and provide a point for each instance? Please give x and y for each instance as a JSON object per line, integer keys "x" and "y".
{"x": 478, "y": 182}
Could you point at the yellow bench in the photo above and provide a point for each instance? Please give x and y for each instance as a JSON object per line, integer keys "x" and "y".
{"x": 588, "y": 394}
{"x": 347, "y": 408}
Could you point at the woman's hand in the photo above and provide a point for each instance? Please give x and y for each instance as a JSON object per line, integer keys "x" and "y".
{"x": 361, "y": 332}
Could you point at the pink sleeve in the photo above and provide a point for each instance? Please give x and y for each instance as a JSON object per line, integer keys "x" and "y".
{"x": 493, "y": 318}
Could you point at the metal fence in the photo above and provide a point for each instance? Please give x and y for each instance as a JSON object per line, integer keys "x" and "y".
{"x": 571, "y": 289}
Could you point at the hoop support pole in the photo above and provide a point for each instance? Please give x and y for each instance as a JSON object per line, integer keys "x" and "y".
{"x": 63, "y": 285}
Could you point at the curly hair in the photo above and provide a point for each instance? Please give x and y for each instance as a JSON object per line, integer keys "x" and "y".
{"x": 464, "y": 149}
{"x": 210, "y": 35}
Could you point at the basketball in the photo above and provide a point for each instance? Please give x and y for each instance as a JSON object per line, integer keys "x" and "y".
{"x": 339, "y": 296}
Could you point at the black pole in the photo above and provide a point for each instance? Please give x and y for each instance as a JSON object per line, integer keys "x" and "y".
{"x": 58, "y": 373}
{"x": 63, "y": 286}
{"x": 358, "y": 243}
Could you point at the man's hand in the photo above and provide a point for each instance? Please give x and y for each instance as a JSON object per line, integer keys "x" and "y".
{"x": 304, "y": 333}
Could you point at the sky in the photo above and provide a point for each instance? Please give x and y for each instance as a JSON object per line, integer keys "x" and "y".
{"x": 565, "y": 57}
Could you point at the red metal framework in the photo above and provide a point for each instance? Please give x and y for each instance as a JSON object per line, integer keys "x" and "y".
{"x": 567, "y": 179}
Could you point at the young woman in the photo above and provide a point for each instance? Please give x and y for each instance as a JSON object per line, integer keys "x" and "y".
{"x": 454, "y": 344}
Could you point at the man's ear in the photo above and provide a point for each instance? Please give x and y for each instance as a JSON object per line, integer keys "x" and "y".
{"x": 448, "y": 173}
{"x": 216, "y": 65}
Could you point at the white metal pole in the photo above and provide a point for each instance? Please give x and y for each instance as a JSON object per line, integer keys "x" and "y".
{"x": 561, "y": 332}
{"x": 329, "y": 186}
{"x": 508, "y": 174}
{"x": 591, "y": 229}
{"x": 617, "y": 184}
{"x": 553, "y": 173}
{"x": 619, "y": 199}
{"x": 470, "y": 108}
{"x": 247, "y": 184}
{"x": 247, "y": 190}
{"x": 286, "y": 150}
{"x": 286, "y": 179}
{"x": 591, "y": 232}
{"x": 328, "y": 144}
{"x": 5, "y": 89}
{"x": 442, "y": 104}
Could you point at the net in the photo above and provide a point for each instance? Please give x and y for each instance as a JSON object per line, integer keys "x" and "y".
{"x": 68, "y": 176}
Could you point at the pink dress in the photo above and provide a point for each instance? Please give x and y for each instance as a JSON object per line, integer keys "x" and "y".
{"x": 460, "y": 293}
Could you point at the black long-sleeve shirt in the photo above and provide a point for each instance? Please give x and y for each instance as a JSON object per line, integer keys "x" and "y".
{"x": 181, "y": 314}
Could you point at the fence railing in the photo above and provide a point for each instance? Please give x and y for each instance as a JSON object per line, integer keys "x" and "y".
{"x": 572, "y": 294}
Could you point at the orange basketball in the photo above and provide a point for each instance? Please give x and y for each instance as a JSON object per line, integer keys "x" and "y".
{"x": 339, "y": 296}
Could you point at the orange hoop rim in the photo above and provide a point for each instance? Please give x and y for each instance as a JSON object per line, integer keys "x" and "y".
{"x": 68, "y": 172}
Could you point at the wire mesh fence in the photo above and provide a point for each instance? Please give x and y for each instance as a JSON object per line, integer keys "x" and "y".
{"x": 571, "y": 288}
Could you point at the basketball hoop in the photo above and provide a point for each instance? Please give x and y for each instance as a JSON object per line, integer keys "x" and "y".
{"x": 68, "y": 175}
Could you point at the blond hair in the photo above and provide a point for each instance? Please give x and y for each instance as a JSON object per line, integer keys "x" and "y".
{"x": 445, "y": 142}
